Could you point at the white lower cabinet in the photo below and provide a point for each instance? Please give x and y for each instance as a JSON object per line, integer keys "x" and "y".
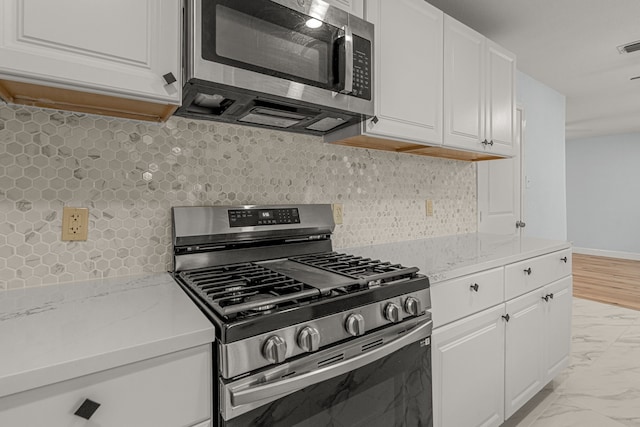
{"x": 538, "y": 341}
{"x": 523, "y": 361}
{"x": 167, "y": 391}
{"x": 488, "y": 364}
{"x": 468, "y": 371}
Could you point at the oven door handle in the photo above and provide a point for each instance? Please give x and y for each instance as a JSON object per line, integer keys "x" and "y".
{"x": 280, "y": 387}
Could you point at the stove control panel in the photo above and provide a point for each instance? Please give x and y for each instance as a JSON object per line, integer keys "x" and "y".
{"x": 260, "y": 217}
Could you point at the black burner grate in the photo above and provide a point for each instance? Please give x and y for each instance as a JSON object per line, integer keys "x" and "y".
{"x": 246, "y": 289}
{"x": 358, "y": 267}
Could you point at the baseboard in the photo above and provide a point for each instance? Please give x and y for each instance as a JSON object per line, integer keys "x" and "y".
{"x": 608, "y": 254}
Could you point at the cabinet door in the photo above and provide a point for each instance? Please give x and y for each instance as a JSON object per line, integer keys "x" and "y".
{"x": 500, "y": 99}
{"x": 557, "y": 327}
{"x": 464, "y": 85}
{"x": 468, "y": 371}
{"x": 408, "y": 65}
{"x": 116, "y": 47}
{"x": 523, "y": 350}
{"x": 354, "y": 7}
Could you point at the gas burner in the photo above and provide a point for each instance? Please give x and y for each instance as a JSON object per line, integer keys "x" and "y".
{"x": 267, "y": 306}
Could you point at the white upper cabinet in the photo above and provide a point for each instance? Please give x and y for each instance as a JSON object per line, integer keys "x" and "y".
{"x": 501, "y": 100}
{"x": 117, "y": 49}
{"x": 408, "y": 70}
{"x": 354, "y": 7}
{"x": 479, "y": 92}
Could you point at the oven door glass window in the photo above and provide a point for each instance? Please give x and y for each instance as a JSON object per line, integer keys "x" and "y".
{"x": 393, "y": 391}
{"x": 269, "y": 38}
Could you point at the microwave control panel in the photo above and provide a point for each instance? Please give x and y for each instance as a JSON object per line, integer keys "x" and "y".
{"x": 362, "y": 64}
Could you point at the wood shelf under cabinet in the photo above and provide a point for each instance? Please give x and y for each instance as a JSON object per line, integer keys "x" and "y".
{"x": 365, "y": 141}
{"x": 85, "y": 102}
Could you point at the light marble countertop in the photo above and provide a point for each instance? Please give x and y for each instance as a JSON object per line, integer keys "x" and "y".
{"x": 58, "y": 332}
{"x": 448, "y": 257}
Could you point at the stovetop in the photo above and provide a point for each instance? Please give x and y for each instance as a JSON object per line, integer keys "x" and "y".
{"x": 265, "y": 295}
{"x": 257, "y": 269}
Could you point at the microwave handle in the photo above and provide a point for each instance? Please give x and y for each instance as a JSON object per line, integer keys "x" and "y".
{"x": 348, "y": 63}
{"x": 267, "y": 391}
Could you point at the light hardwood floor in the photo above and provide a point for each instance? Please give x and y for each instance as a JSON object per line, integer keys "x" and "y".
{"x": 608, "y": 280}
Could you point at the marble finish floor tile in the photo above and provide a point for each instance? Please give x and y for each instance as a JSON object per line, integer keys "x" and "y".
{"x": 601, "y": 387}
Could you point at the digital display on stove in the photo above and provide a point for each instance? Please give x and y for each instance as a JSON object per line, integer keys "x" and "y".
{"x": 259, "y": 217}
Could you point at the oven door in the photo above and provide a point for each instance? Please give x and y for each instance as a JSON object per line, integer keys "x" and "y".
{"x": 381, "y": 380}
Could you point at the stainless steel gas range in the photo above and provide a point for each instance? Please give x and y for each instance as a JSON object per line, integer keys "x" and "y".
{"x": 305, "y": 336}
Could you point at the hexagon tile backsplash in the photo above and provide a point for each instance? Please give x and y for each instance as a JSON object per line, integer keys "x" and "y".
{"x": 130, "y": 173}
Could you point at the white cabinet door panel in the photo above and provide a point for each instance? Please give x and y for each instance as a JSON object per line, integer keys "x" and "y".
{"x": 464, "y": 82}
{"x": 118, "y": 47}
{"x": 468, "y": 371}
{"x": 354, "y": 7}
{"x": 557, "y": 326}
{"x": 523, "y": 350}
{"x": 408, "y": 63}
{"x": 501, "y": 99}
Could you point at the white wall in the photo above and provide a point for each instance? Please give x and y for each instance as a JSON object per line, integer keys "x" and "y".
{"x": 545, "y": 210}
{"x": 603, "y": 193}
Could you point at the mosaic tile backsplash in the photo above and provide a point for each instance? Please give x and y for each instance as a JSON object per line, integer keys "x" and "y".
{"x": 130, "y": 173}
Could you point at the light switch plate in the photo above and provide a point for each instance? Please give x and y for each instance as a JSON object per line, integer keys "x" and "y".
{"x": 428, "y": 206}
{"x": 75, "y": 224}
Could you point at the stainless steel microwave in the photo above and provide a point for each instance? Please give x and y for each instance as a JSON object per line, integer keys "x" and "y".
{"x": 297, "y": 65}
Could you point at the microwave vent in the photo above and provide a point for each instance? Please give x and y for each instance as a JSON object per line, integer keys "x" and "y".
{"x": 629, "y": 47}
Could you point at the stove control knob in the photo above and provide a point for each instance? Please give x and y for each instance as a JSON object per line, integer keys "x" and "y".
{"x": 392, "y": 312}
{"x": 274, "y": 349}
{"x": 355, "y": 325}
{"x": 412, "y": 306}
{"x": 309, "y": 339}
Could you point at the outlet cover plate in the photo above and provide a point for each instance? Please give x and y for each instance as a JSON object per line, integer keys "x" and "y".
{"x": 75, "y": 224}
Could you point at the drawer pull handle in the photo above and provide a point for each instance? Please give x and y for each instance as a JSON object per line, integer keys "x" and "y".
{"x": 506, "y": 317}
{"x": 474, "y": 287}
{"x": 87, "y": 409}
{"x": 528, "y": 271}
{"x": 564, "y": 259}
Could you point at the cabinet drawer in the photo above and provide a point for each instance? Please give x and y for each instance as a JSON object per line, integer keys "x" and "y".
{"x": 466, "y": 295}
{"x": 525, "y": 276}
{"x": 168, "y": 391}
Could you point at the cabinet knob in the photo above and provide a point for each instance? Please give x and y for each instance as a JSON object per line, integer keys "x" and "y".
{"x": 474, "y": 287}
{"x": 564, "y": 259}
{"x": 491, "y": 143}
{"x": 87, "y": 409}
{"x": 550, "y": 296}
{"x": 274, "y": 349}
{"x": 546, "y": 298}
{"x": 528, "y": 271}
{"x": 506, "y": 317}
{"x": 520, "y": 224}
{"x": 485, "y": 142}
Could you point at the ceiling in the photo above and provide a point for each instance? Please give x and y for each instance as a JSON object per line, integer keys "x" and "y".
{"x": 570, "y": 46}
